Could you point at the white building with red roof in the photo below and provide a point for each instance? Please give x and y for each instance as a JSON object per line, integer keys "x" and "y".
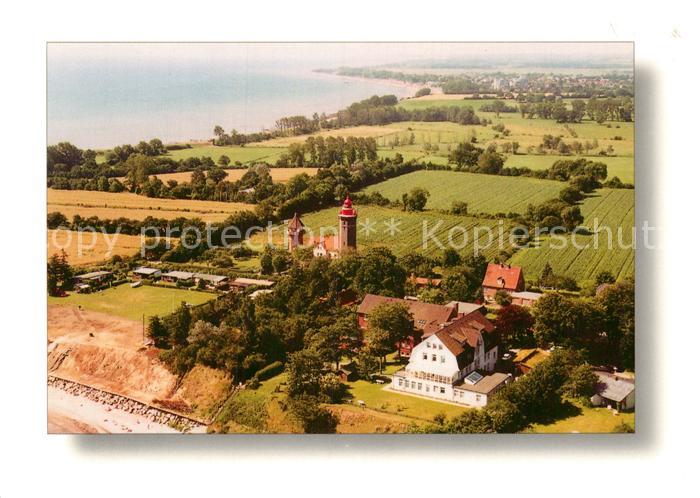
{"x": 455, "y": 364}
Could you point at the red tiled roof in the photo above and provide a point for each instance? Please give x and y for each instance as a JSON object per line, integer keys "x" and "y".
{"x": 502, "y": 276}
{"x": 426, "y": 316}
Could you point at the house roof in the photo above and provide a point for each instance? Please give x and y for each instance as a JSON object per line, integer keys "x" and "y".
{"x": 146, "y": 271}
{"x": 426, "y": 316}
{"x": 180, "y": 275}
{"x": 94, "y": 274}
{"x": 245, "y": 282}
{"x": 502, "y": 276}
{"x": 531, "y": 296}
{"x": 435, "y": 282}
{"x": 613, "y": 387}
{"x": 530, "y": 357}
{"x": 486, "y": 385}
{"x": 465, "y": 308}
{"x": 210, "y": 278}
{"x": 463, "y": 333}
{"x": 295, "y": 223}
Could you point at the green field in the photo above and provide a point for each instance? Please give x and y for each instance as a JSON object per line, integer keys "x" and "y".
{"x": 612, "y": 208}
{"x": 374, "y": 225}
{"x": 582, "y": 419}
{"x": 484, "y": 193}
{"x": 130, "y": 303}
{"x": 242, "y": 154}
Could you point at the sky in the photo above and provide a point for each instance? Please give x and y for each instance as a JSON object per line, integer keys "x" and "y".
{"x": 315, "y": 55}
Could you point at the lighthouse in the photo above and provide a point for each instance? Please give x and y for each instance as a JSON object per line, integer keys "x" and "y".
{"x": 347, "y": 229}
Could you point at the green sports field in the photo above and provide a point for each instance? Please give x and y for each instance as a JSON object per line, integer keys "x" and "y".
{"x": 127, "y": 302}
{"x": 484, "y": 193}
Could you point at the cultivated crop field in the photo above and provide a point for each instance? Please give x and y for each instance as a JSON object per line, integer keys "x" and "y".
{"x": 111, "y": 205}
{"x": 355, "y": 131}
{"x": 484, "y": 193}
{"x": 611, "y": 208}
{"x": 82, "y": 249}
{"x": 235, "y": 153}
{"x": 133, "y": 303}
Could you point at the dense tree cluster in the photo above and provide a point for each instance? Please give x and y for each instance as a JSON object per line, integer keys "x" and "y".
{"x": 325, "y": 152}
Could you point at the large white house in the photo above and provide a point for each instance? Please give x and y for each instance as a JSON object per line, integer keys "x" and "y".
{"x": 455, "y": 364}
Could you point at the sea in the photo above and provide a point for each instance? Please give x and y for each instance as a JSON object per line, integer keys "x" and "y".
{"x": 101, "y": 103}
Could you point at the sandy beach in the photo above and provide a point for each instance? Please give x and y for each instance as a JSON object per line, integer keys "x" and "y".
{"x": 69, "y": 414}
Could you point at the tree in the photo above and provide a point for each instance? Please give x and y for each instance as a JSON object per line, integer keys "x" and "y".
{"x": 218, "y": 131}
{"x": 59, "y": 274}
{"x": 224, "y": 160}
{"x": 462, "y": 283}
{"x": 502, "y": 298}
{"x": 416, "y": 199}
{"x": 334, "y": 341}
{"x": 465, "y": 155}
{"x": 157, "y": 332}
{"x": 570, "y": 195}
{"x": 617, "y": 302}
{"x": 565, "y": 321}
{"x": 388, "y": 325}
{"x": 547, "y": 276}
{"x": 178, "y": 325}
{"x": 216, "y": 174}
{"x": 514, "y": 323}
{"x": 367, "y": 364}
{"x": 581, "y": 382}
{"x": 451, "y": 257}
{"x": 422, "y": 92}
{"x": 377, "y": 272}
{"x": 571, "y": 217}
{"x": 313, "y": 418}
{"x": 604, "y": 277}
{"x": 490, "y": 162}
{"x": 304, "y": 370}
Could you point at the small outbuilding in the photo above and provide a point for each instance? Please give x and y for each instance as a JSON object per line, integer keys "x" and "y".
{"x": 143, "y": 272}
{"x": 176, "y": 276}
{"x": 242, "y": 283}
{"x": 614, "y": 390}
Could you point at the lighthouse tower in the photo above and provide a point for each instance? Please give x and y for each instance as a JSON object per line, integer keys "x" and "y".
{"x": 347, "y": 232}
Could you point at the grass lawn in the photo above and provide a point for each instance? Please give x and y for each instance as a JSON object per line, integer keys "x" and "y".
{"x": 584, "y": 420}
{"x": 376, "y": 397}
{"x": 130, "y": 303}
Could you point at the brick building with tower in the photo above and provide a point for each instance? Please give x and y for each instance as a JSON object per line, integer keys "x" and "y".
{"x": 330, "y": 246}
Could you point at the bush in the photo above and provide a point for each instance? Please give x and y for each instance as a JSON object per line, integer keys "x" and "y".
{"x": 270, "y": 370}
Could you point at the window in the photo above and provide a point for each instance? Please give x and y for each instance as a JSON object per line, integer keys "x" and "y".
{"x": 461, "y": 394}
{"x": 435, "y": 388}
{"x": 425, "y": 356}
{"x": 478, "y": 397}
{"x": 413, "y": 385}
{"x": 427, "y": 388}
{"x": 434, "y": 357}
{"x": 442, "y": 359}
{"x": 440, "y": 346}
{"x": 420, "y": 386}
{"x": 400, "y": 382}
{"x": 442, "y": 390}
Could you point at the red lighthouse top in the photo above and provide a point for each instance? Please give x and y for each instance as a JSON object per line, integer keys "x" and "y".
{"x": 347, "y": 209}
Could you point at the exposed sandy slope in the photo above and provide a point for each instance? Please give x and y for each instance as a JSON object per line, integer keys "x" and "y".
{"x": 69, "y": 414}
{"x": 107, "y": 353}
